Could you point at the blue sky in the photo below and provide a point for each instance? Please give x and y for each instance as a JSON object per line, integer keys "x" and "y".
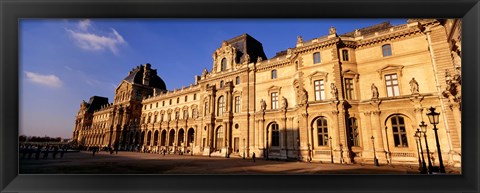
{"x": 65, "y": 61}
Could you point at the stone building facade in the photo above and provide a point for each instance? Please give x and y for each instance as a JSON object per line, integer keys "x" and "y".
{"x": 334, "y": 98}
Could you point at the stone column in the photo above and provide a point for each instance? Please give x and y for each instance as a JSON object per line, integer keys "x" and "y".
{"x": 379, "y": 136}
{"x": 283, "y": 142}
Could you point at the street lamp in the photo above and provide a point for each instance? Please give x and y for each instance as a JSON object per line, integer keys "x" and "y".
{"x": 433, "y": 117}
{"x": 375, "y": 160}
{"x": 419, "y": 140}
{"x": 331, "y": 148}
{"x": 423, "y": 126}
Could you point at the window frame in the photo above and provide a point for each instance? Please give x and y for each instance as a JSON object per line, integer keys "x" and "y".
{"x": 223, "y": 64}
{"x": 399, "y": 135}
{"x": 345, "y": 55}
{"x": 317, "y": 59}
{"x": 387, "y": 48}
{"x": 237, "y": 104}
{"x": 322, "y": 131}
{"x": 391, "y": 86}
{"x": 349, "y": 88}
{"x": 274, "y": 100}
{"x": 275, "y": 135}
{"x": 318, "y": 91}
{"x": 273, "y": 74}
{"x": 220, "y": 105}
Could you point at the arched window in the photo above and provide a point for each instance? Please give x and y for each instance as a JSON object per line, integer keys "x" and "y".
{"x": 399, "y": 131}
{"x": 353, "y": 132}
{"x": 221, "y": 84}
{"x": 316, "y": 58}
{"x": 387, "y": 50}
{"x": 224, "y": 64}
{"x": 194, "y": 113}
{"x": 219, "y": 138}
{"x": 274, "y": 74}
{"x": 275, "y": 134}
{"x": 221, "y": 106}
{"x": 322, "y": 131}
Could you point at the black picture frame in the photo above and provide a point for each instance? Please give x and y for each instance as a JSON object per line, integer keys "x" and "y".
{"x": 11, "y": 11}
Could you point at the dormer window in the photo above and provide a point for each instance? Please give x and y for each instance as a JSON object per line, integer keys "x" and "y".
{"x": 223, "y": 65}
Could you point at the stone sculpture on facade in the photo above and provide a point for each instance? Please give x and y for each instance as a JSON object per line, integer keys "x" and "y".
{"x": 334, "y": 91}
{"x": 374, "y": 91}
{"x": 284, "y": 103}
{"x": 332, "y": 30}
{"x": 299, "y": 39}
{"x": 204, "y": 73}
{"x": 413, "y": 86}
{"x": 263, "y": 105}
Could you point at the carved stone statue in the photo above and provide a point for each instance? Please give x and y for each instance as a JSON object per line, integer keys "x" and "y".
{"x": 263, "y": 105}
{"x": 357, "y": 33}
{"x": 284, "y": 103}
{"x": 448, "y": 77}
{"x": 299, "y": 39}
{"x": 332, "y": 30}
{"x": 303, "y": 96}
{"x": 259, "y": 59}
{"x": 374, "y": 91}
{"x": 414, "y": 86}
{"x": 204, "y": 73}
{"x": 334, "y": 91}
{"x": 247, "y": 58}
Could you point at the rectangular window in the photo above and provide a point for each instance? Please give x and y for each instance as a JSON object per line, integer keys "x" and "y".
{"x": 150, "y": 106}
{"x": 157, "y": 105}
{"x": 348, "y": 88}
{"x": 319, "y": 90}
{"x": 237, "y": 80}
{"x": 237, "y": 104}
{"x": 178, "y": 100}
{"x": 186, "y": 98}
{"x": 170, "y": 101}
{"x": 274, "y": 74}
{"x": 194, "y": 96}
{"x": 274, "y": 100}
{"x": 391, "y": 82}
{"x": 345, "y": 55}
{"x": 149, "y": 119}
{"x": 316, "y": 58}
{"x": 163, "y": 103}
{"x": 155, "y": 118}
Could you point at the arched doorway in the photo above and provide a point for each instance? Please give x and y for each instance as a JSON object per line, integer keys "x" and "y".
{"x": 190, "y": 136}
{"x": 155, "y": 138}
{"x": 149, "y": 137}
{"x": 171, "y": 137}
{"x": 181, "y": 135}
{"x": 163, "y": 138}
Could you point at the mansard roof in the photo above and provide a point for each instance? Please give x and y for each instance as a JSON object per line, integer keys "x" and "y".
{"x": 135, "y": 76}
{"x": 96, "y": 103}
{"x": 247, "y": 44}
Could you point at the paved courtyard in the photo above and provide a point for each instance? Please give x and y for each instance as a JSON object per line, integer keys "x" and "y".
{"x": 144, "y": 163}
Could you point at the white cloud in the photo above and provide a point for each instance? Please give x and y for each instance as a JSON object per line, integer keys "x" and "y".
{"x": 84, "y": 24}
{"x": 48, "y": 80}
{"x": 88, "y": 40}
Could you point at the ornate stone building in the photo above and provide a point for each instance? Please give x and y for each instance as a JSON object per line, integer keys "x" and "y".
{"x": 330, "y": 98}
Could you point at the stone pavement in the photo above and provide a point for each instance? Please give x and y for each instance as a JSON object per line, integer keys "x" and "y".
{"x": 145, "y": 163}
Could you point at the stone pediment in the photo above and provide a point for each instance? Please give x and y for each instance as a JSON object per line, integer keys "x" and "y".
{"x": 350, "y": 74}
{"x": 390, "y": 69}
{"x": 274, "y": 89}
{"x": 318, "y": 75}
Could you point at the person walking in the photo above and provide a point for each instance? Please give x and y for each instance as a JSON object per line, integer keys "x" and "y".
{"x": 253, "y": 156}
